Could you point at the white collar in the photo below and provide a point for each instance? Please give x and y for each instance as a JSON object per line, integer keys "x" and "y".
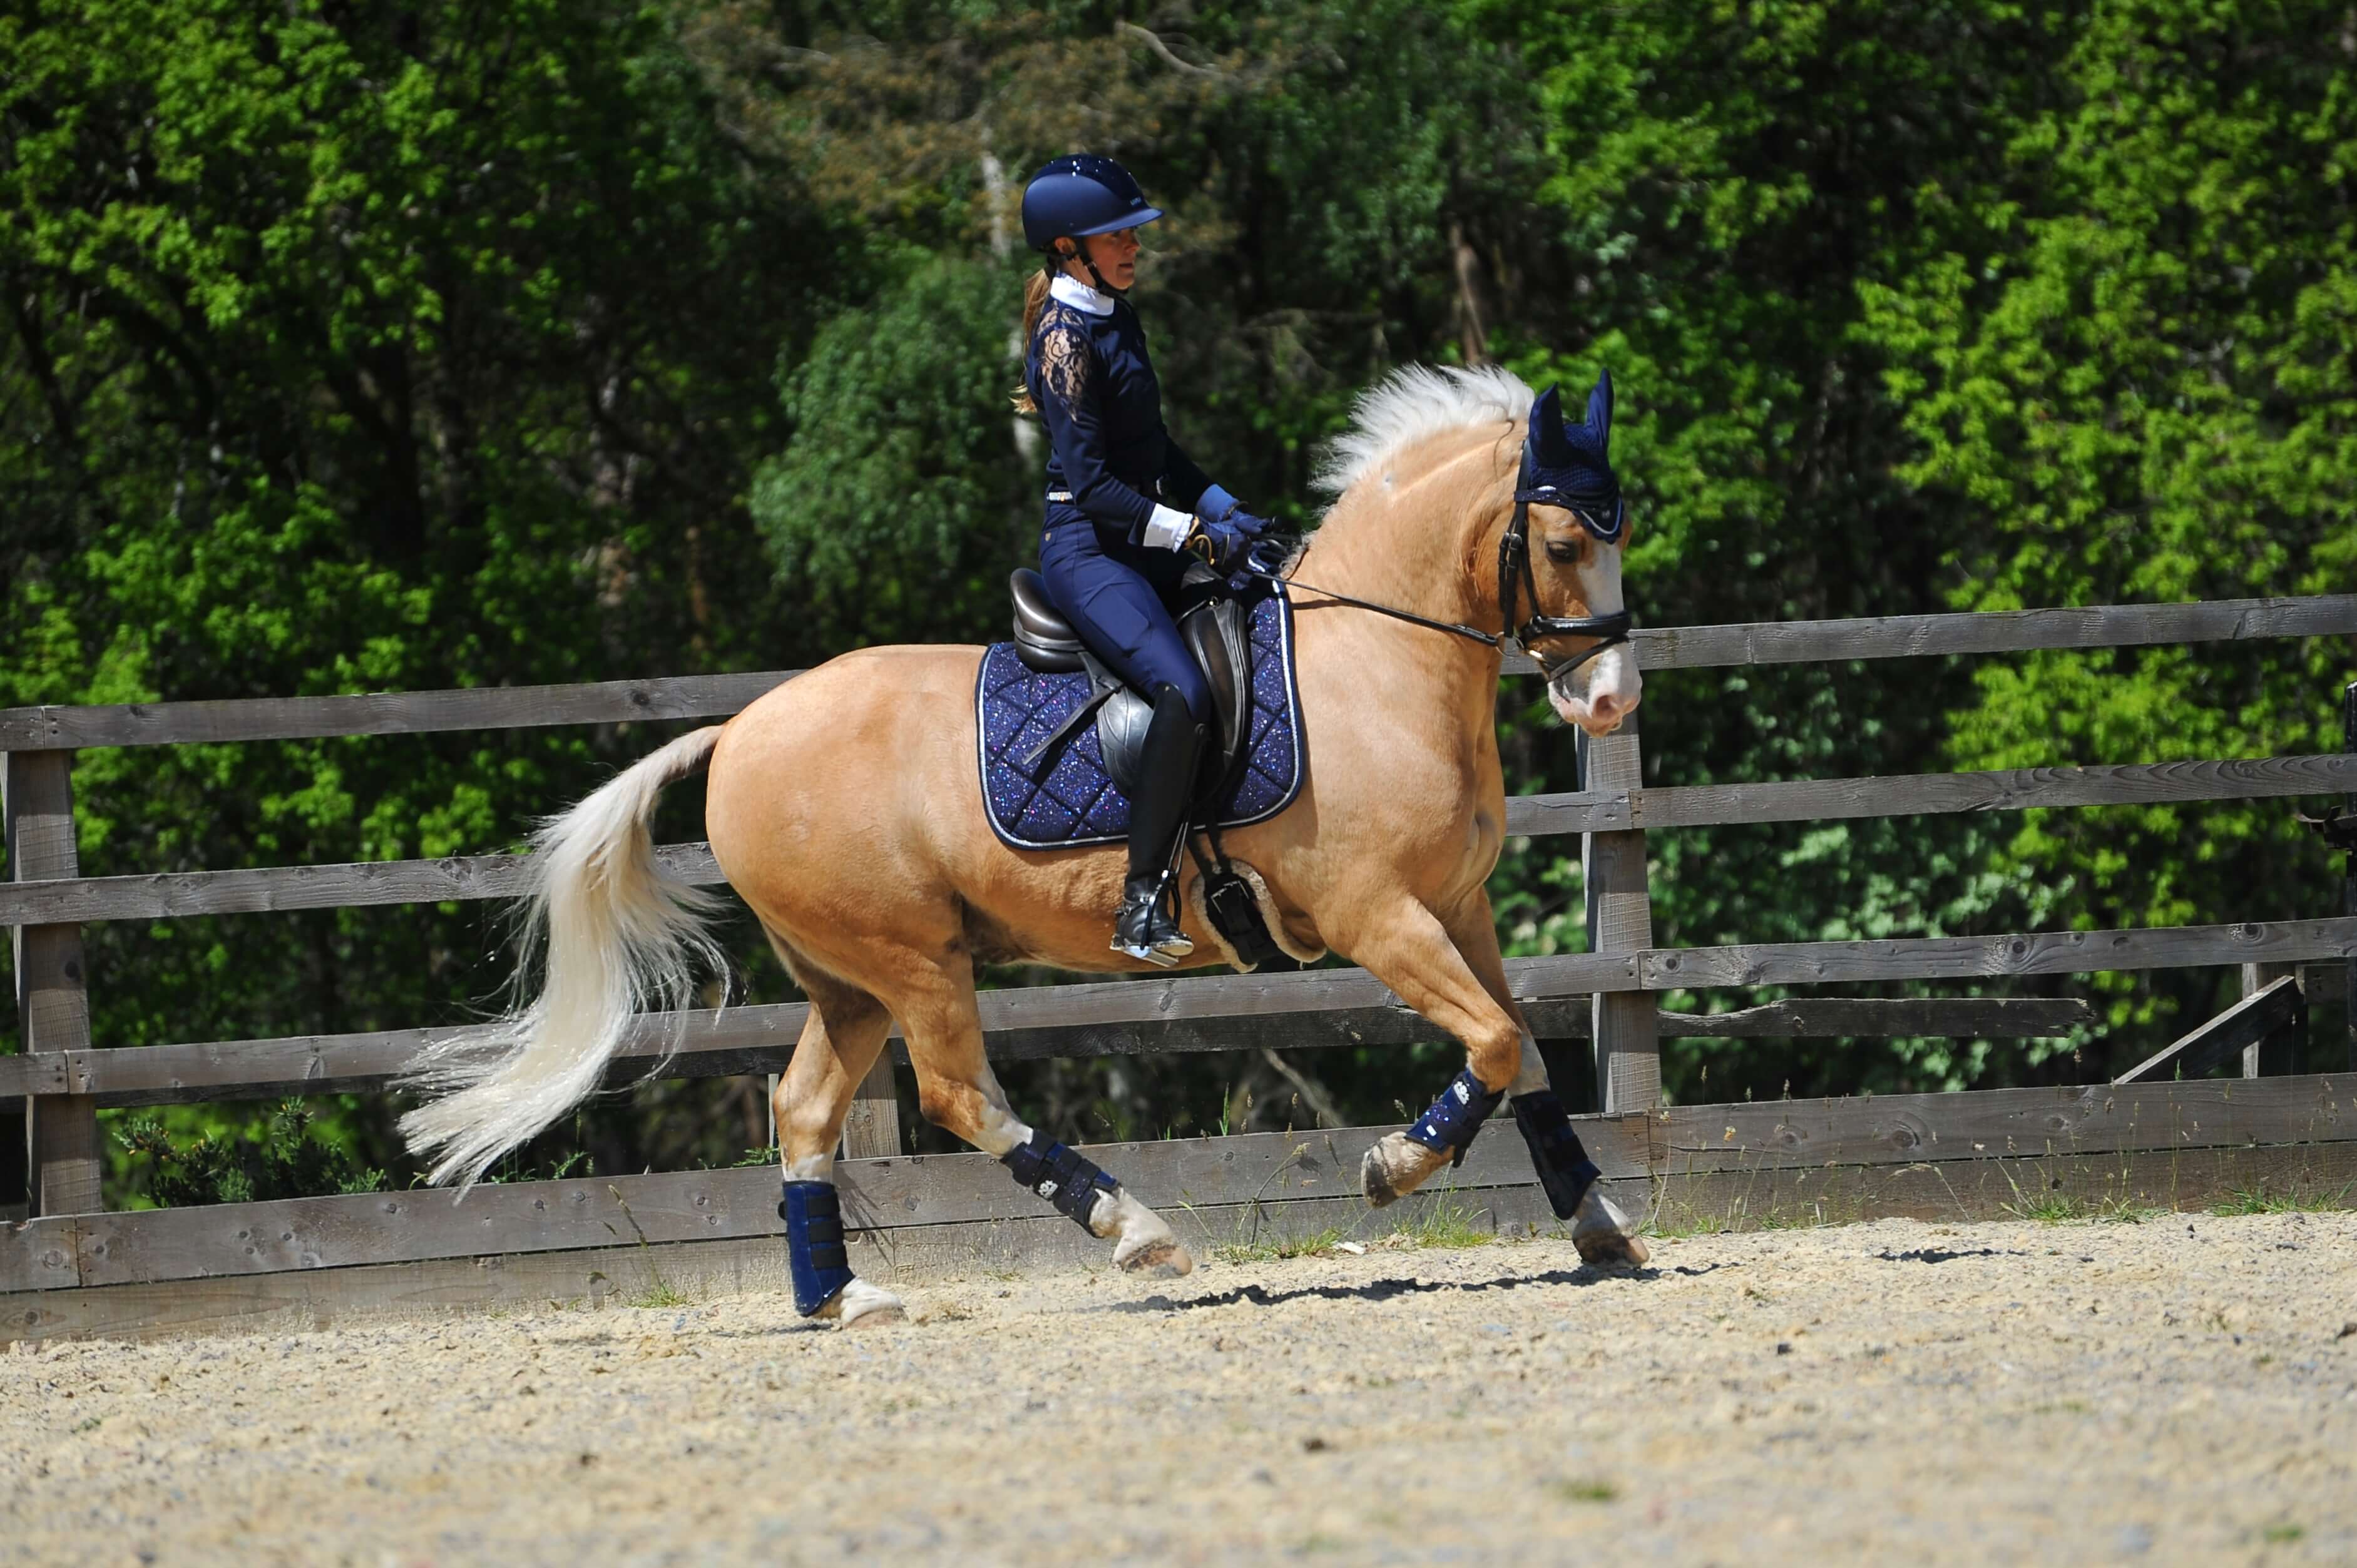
{"x": 1071, "y": 291}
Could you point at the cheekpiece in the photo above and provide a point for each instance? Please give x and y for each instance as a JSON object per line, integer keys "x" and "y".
{"x": 1452, "y": 1120}
{"x": 1569, "y": 466}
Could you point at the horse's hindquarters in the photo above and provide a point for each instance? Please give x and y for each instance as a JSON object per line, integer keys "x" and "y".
{"x": 845, "y": 807}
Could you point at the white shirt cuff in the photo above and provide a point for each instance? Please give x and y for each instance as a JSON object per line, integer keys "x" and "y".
{"x": 1167, "y": 529}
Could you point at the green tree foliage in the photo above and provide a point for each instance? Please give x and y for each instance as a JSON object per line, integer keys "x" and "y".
{"x": 355, "y": 348}
{"x": 1730, "y": 181}
{"x": 283, "y": 1159}
{"x": 2134, "y": 368}
{"x": 901, "y": 496}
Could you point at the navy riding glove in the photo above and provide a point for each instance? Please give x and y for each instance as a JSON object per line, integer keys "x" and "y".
{"x": 1218, "y": 506}
{"x": 1222, "y": 545}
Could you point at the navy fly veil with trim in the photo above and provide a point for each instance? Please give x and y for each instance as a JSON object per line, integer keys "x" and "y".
{"x": 1074, "y": 801}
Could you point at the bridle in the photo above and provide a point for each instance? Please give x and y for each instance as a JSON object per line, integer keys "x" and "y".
{"x": 1514, "y": 556}
{"x": 1516, "y": 579}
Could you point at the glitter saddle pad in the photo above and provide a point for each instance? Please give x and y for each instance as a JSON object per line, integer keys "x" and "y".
{"x": 1075, "y": 801}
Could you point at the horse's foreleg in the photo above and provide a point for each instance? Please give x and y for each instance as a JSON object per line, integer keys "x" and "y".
{"x": 1407, "y": 948}
{"x": 1602, "y": 1232}
{"x": 958, "y": 1092}
{"x": 840, "y": 1042}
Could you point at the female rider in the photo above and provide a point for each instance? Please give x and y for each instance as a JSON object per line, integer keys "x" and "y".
{"x": 1126, "y": 509}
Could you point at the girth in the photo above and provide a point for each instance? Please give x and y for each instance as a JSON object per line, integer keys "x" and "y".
{"x": 1214, "y": 632}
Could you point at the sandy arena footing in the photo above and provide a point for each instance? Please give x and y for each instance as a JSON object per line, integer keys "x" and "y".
{"x": 2177, "y": 1389}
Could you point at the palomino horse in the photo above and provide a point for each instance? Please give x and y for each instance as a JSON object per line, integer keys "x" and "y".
{"x": 845, "y": 809}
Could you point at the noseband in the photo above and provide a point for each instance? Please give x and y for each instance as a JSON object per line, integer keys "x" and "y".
{"x": 1516, "y": 578}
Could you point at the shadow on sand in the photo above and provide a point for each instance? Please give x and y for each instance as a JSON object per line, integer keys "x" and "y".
{"x": 1391, "y": 1289}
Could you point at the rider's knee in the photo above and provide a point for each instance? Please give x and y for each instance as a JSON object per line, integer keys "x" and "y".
{"x": 1195, "y": 692}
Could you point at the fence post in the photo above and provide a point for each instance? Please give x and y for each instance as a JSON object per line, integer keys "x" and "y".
{"x": 872, "y": 1129}
{"x": 61, "y": 1148}
{"x": 1619, "y": 919}
{"x": 2276, "y": 1053}
{"x": 2349, "y": 872}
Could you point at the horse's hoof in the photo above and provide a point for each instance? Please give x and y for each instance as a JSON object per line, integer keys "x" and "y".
{"x": 862, "y": 1305}
{"x": 1396, "y": 1166}
{"x": 1161, "y": 1258}
{"x": 1604, "y": 1236}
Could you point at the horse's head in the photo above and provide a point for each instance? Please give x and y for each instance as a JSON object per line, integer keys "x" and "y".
{"x": 1570, "y": 569}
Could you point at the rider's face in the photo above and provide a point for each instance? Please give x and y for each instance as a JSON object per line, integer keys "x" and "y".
{"x": 1116, "y": 255}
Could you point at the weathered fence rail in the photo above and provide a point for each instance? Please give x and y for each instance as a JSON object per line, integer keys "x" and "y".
{"x": 711, "y": 697}
{"x": 1934, "y": 1155}
{"x": 760, "y": 1039}
{"x": 461, "y": 878}
{"x": 1305, "y": 1010}
{"x": 1606, "y": 996}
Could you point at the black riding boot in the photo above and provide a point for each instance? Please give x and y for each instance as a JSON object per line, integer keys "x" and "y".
{"x": 1145, "y": 926}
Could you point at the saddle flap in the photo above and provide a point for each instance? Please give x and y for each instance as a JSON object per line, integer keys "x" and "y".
{"x": 1217, "y": 635}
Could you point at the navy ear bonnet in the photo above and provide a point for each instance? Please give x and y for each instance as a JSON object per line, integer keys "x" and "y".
{"x": 1568, "y": 465}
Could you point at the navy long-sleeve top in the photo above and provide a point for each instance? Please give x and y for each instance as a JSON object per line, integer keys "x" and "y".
{"x": 1096, "y": 392}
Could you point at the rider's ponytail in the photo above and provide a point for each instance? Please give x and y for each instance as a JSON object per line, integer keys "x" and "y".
{"x": 1035, "y": 300}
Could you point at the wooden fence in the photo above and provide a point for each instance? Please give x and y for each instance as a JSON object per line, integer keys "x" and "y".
{"x": 72, "y": 1268}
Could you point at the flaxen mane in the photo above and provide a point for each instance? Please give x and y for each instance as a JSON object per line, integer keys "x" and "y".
{"x": 1413, "y": 404}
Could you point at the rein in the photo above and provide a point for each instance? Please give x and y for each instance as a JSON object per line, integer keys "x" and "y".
{"x": 1515, "y": 577}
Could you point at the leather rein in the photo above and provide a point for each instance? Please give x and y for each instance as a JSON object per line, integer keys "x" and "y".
{"x": 1515, "y": 578}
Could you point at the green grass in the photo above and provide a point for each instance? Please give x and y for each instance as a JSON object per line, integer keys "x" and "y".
{"x": 2282, "y": 1535}
{"x": 658, "y": 1294}
{"x": 2050, "y": 1207}
{"x": 2064, "y": 1208}
{"x": 1442, "y": 1218}
{"x": 2259, "y": 1200}
{"x": 1739, "y": 1218}
{"x": 1445, "y": 1220}
{"x": 1262, "y": 1249}
{"x": 1693, "y": 1225}
{"x": 1586, "y": 1491}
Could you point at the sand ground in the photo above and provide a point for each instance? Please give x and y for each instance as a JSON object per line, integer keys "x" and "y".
{"x": 2179, "y": 1389}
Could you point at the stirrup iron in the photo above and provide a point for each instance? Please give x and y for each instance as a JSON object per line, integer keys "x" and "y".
{"x": 1142, "y": 930}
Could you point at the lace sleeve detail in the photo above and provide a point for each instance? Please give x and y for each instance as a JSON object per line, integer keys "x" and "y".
{"x": 1064, "y": 361}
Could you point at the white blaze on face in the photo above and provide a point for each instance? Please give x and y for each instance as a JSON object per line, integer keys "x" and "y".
{"x": 1605, "y": 691}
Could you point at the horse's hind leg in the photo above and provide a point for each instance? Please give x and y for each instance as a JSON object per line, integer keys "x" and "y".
{"x": 958, "y": 1092}
{"x": 839, "y": 1043}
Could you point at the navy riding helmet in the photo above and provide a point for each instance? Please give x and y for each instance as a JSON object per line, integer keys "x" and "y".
{"x": 1079, "y": 195}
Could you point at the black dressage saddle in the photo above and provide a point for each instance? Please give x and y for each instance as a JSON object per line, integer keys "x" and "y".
{"x": 1214, "y": 631}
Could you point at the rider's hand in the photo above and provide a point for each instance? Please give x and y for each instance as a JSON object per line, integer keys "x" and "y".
{"x": 1222, "y": 545}
{"x": 1218, "y": 506}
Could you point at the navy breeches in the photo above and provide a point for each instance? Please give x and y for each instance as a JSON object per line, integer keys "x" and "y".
{"x": 1120, "y": 612}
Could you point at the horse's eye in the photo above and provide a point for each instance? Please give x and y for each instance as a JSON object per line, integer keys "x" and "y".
{"x": 1562, "y": 550}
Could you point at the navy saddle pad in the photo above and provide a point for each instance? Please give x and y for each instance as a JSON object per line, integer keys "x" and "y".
{"x": 1076, "y": 801}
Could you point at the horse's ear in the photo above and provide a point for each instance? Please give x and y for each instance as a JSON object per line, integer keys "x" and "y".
{"x": 1546, "y": 430}
{"x": 1599, "y": 409}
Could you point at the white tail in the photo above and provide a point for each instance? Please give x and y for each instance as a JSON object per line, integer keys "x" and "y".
{"x": 619, "y": 932}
